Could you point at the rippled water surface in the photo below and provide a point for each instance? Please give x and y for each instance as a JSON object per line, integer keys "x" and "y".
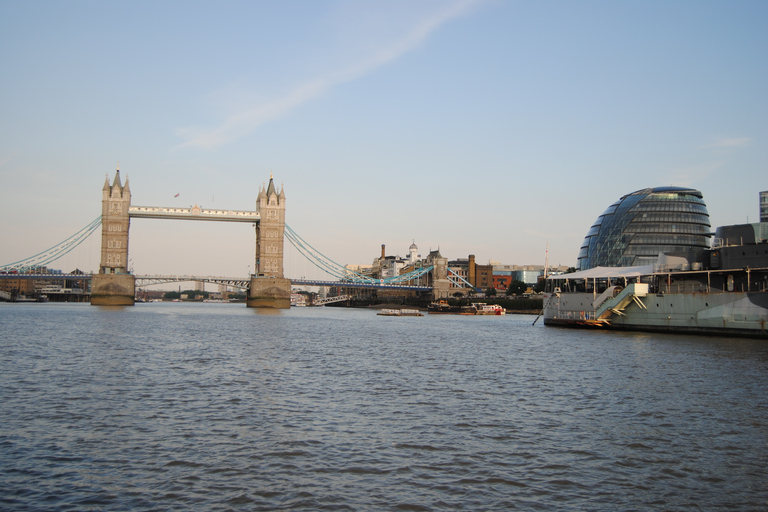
{"x": 221, "y": 407}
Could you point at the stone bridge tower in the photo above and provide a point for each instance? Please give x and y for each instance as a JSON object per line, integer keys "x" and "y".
{"x": 113, "y": 285}
{"x": 441, "y": 286}
{"x": 269, "y": 231}
{"x": 269, "y": 288}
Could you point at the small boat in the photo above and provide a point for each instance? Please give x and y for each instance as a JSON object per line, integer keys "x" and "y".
{"x": 400, "y": 312}
{"x": 442, "y": 306}
{"x": 481, "y": 308}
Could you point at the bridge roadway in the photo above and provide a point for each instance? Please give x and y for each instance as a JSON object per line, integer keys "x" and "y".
{"x": 242, "y": 283}
{"x": 194, "y": 213}
{"x": 235, "y": 282}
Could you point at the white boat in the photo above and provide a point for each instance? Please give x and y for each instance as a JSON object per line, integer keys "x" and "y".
{"x": 481, "y": 308}
{"x": 400, "y": 312}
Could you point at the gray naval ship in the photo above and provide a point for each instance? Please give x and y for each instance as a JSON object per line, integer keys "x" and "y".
{"x": 722, "y": 290}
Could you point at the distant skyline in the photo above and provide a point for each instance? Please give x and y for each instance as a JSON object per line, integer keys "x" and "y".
{"x": 482, "y": 127}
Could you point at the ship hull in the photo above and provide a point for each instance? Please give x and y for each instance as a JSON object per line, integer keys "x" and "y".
{"x": 709, "y": 313}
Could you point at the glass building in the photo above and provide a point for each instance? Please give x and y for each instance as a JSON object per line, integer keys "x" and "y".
{"x": 638, "y": 227}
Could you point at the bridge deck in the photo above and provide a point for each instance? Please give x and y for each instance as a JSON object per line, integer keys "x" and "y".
{"x": 237, "y": 282}
{"x": 194, "y": 213}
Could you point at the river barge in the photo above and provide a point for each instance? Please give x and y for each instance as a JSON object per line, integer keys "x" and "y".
{"x": 443, "y": 307}
{"x": 400, "y": 312}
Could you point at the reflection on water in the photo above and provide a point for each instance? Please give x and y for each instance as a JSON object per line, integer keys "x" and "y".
{"x": 267, "y": 311}
{"x": 221, "y": 407}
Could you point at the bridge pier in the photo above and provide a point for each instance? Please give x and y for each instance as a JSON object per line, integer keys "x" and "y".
{"x": 113, "y": 285}
{"x": 113, "y": 290}
{"x": 269, "y": 292}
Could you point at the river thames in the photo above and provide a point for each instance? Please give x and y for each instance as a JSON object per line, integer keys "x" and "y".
{"x": 168, "y": 406}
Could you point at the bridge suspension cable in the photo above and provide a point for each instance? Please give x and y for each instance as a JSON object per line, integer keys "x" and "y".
{"x": 457, "y": 280}
{"x": 341, "y": 272}
{"x": 322, "y": 262}
{"x": 55, "y": 252}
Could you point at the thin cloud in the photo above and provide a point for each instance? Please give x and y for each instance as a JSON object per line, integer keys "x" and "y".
{"x": 689, "y": 176}
{"x": 5, "y": 159}
{"x": 732, "y": 142}
{"x": 249, "y": 119}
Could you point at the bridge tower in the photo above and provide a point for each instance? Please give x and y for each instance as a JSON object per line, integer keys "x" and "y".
{"x": 113, "y": 285}
{"x": 269, "y": 288}
{"x": 438, "y": 277}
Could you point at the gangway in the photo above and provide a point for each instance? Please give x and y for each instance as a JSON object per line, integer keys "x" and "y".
{"x": 615, "y": 305}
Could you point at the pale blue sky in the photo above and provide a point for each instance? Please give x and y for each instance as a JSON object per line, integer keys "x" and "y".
{"x": 482, "y": 127}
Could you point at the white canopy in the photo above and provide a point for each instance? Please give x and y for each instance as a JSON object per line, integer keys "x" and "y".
{"x": 606, "y": 272}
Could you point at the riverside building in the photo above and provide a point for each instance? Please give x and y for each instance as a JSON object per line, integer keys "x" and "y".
{"x": 640, "y": 226}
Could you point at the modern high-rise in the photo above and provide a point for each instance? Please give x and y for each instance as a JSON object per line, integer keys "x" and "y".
{"x": 764, "y": 206}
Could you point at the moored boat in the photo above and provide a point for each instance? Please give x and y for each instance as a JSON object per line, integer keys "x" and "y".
{"x": 476, "y": 308}
{"x": 442, "y": 306}
{"x": 724, "y": 291}
{"x": 481, "y": 308}
{"x": 400, "y": 312}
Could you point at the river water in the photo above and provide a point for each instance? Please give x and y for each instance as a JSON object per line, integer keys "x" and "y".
{"x": 220, "y": 407}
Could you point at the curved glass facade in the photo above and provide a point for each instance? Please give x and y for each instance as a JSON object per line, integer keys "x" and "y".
{"x": 638, "y": 227}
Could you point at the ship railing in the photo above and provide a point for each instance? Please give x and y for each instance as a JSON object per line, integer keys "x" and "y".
{"x": 576, "y": 315}
{"x": 684, "y": 287}
{"x": 660, "y": 268}
{"x": 724, "y": 242}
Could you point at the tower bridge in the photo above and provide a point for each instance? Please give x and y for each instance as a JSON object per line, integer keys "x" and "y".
{"x": 114, "y": 284}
